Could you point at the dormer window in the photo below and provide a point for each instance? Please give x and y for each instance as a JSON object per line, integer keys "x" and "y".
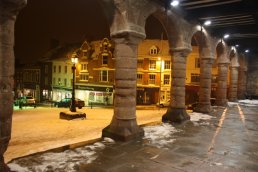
{"x": 104, "y": 59}
{"x": 154, "y": 50}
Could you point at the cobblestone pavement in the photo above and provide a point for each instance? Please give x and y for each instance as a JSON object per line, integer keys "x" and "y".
{"x": 227, "y": 140}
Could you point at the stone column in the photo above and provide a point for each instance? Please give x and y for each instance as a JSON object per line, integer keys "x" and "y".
{"x": 124, "y": 125}
{"x": 241, "y": 90}
{"x": 221, "y": 99}
{"x": 176, "y": 111}
{"x": 232, "y": 95}
{"x": 8, "y": 11}
{"x": 204, "y": 104}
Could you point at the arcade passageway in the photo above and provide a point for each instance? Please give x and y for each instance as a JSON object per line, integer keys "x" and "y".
{"x": 225, "y": 140}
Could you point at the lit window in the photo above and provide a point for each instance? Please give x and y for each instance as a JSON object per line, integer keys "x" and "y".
{"x": 84, "y": 76}
{"x": 153, "y": 50}
{"x": 104, "y": 59}
{"x": 46, "y": 80}
{"x": 152, "y": 64}
{"x": 167, "y": 65}
{"x": 139, "y": 78}
{"x": 152, "y": 78}
{"x": 46, "y": 68}
{"x": 54, "y": 81}
{"x": 65, "y": 69}
{"x": 195, "y": 77}
{"x": 65, "y": 82}
{"x": 59, "y": 81}
{"x": 197, "y": 62}
{"x": 166, "y": 79}
{"x": 84, "y": 66}
{"x": 140, "y": 63}
{"x": 214, "y": 79}
{"x": 103, "y": 77}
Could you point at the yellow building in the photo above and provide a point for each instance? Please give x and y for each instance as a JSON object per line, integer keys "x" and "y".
{"x": 95, "y": 73}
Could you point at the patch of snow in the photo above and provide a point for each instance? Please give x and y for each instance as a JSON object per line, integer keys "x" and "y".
{"x": 217, "y": 163}
{"x": 68, "y": 160}
{"x": 154, "y": 157}
{"x": 205, "y": 123}
{"x": 17, "y": 167}
{"x": 231, "y": 104}
{"x": 108, "y": 140}
{"x": 247, "y": 101}
{"x": 160, "y": 135}
{"x": 195, "y": 117}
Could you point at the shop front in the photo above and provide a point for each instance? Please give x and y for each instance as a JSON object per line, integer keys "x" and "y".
{"x": 95, "y": 95}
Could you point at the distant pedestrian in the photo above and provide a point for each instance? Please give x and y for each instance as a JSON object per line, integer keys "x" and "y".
{"x": 20, "y": 105}
{"x": 106, "y": 100}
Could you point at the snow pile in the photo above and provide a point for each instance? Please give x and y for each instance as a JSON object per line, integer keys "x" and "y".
{"x": 248, "y": 102}
{"x": 195, "y": 117}
{"x": 68, "y": 160}
{"x": 160, "y": 135}
{"x": 231, "y": 104}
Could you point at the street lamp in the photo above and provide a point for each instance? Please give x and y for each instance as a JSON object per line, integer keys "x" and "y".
{"x": 74, "y": 60}
{"x": 160, "y": 83}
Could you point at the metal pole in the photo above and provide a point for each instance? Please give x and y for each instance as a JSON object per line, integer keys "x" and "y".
{"x": 160, "y": 81}
{"x": 72, "y": 107}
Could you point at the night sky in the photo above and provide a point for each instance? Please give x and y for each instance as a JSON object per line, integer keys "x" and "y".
{"x": 68, "y": 21}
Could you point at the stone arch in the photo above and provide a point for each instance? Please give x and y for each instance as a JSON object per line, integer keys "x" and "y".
{"x": 242, "y": 77}
{"x": 201, "y": 38}
{"x": 233, "y": 57}
{"x": 178, "y": 32}
{"x": 233, "y": 76}
{"x": 222, "y": 52}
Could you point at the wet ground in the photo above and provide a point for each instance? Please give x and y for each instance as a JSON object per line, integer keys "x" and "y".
{"x": 225, "y": 140}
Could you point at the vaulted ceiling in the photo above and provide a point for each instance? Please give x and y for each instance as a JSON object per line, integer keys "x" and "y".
{"x": 238, "y": 18}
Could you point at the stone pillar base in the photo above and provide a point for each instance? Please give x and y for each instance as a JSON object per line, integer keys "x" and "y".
{"x": 223, "y": 103}
{"x": 203, "y": 108}
{"x": 123, "y": 130}
{"x": 3, "y": 166}
{"x": 72, "y": 115}
{"x": 232, "y": 99}
{"x": 177, "y": 115}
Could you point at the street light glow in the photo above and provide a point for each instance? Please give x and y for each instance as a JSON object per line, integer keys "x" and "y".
{"x": 226, "y": 36}
{"x": 237, "y": 45}
{"x": 174, "y": 3}
{"x": 247, "y": 51}
{"x": 207, "y": 23}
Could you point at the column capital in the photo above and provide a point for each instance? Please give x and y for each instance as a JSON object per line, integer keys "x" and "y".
{"x": 223, "y": 64}
{"x": 232, "y": 67}
{"x": 183, "y": 50}
{"x": 208, "y": 59}
{"x": 10, "y": 8}
{"x": 128, "y": 38}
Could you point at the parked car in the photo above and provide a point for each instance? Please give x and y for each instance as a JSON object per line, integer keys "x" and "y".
{"x": 66, "y": 102}
{"x": 163, "y": 103}
{"x": 25, "y": 101}
{"x": 192, "y": 106}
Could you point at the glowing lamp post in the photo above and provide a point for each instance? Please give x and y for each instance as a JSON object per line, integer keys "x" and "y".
{"x": 74, "y": 60}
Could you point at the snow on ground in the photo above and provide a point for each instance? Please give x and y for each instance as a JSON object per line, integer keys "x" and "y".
{"x": 248, "y": 102}
{"x": 68, "y": 160}
{"x": 231, "y": 104}
{"x": 245, "y": 102}
{"x": 195, "y": 117}
{"x": 160, "y": 135}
